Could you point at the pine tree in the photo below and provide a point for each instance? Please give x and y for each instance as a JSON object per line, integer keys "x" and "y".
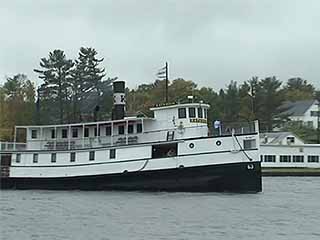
{"x": 56, "y": 74}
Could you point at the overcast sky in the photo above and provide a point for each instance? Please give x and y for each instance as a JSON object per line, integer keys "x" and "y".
{"x": 208, "y": 41}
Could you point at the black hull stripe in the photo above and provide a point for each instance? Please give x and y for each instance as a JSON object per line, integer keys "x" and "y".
{"x": 133, "y": 160}
{"x": 129, "y": 145}
{"x": 233, "y": 177}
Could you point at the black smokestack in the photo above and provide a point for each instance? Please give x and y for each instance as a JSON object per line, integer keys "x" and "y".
{"x": 119, "y": 100}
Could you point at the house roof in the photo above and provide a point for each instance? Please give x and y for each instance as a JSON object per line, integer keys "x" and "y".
{"x": 277, "y": 137}
{"x": 297, "y": 108}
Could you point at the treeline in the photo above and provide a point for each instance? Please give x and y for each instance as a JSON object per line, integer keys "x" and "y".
{"x": 77, "y": 90}
{"x": 253, "y": 99}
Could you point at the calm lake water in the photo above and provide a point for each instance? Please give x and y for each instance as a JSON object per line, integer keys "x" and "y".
{"x": 288, "y": 208}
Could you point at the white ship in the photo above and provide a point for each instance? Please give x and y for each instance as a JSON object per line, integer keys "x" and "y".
{"x": 172, "y": 151}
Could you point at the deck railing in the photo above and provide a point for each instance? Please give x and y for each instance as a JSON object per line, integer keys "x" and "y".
{"x": 229, "y": 128}
{"x": 12, "y": 146}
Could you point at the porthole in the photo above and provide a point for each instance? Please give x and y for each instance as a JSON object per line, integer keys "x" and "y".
{"x": 191, "y": 145}
{"x": 218, "y": 143}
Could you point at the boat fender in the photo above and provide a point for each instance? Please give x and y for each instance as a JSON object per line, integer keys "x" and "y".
{"x": 218, "y": 143}
{"x": 191, "y": 145}
{"x": 250, "y": 166}
{"x": 181, "y": 166}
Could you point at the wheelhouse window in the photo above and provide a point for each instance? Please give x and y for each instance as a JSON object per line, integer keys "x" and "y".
{"x": 64, "y": 133}
{"x": 34, "y": 134}
{"x": 192, "y": 112}
{"x": 182, "y": 113}
{"x": 112, "y": 154}
{"x": 75, "y": 132}
{"x": 35, "y": 157}
{"x": 121, "y": 129}
{"x": 86, "y": 132}
{"x": 91, "y": 155}
{"x": 297, "y": 159}
{"x": 18, "y": 158}
{"x": 314, "y": 159}
{"x": 53, "y": 133}
{"x": 200, "y": 113}
{"x": 53, "y": 157}
{"x": 205, "y": 113}
{"x": 108, "y": 130}
{"x": 72, "y": 157}
{"x": 130, "y": 128}
{"x": 285, "y": 158}
{"x": 139, "y": 128}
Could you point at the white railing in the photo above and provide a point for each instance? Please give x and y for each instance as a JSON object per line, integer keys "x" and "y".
{"x": 12, "y": 146}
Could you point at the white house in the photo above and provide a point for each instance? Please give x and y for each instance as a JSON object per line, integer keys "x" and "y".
{"x": 305, "y": 112}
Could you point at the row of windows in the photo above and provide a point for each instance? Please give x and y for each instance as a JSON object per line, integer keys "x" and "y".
{"x": 314, "y": 113}
{"x": 74, "y": 131}
{"x": 289, "y": 158}
{"x": 201, "y": 113}
{"x": 112, "y": 155}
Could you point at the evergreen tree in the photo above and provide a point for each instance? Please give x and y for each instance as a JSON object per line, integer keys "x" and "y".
{"x": 87, "y": 82}
{"x": 298, "y": 89}
{"x": 56, "y": 74}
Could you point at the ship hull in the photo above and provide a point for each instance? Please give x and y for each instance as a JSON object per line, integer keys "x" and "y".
{"x": 233, "y": 177}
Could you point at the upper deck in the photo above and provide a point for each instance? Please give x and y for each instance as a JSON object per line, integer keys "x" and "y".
{"x": 170, "y": 122}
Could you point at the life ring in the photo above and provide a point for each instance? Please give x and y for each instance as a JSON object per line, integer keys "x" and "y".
{"x": 218, "y": 143}
{"x": 191, "y": 145}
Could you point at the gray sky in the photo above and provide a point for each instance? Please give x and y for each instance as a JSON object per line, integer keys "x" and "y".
{"x": 208, "y": 41}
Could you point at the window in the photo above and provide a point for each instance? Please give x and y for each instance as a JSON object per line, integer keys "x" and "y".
{"x": 285, "y": 158}
{"x": 91, "y": 155}
{"x": 313, "y": 159}
{"x": 72, "y": 157}
{"x": 269, "y": 158}
{"x": 121, "y": 129}
{"x": 64, "y": 133}
{"x": 290, "y": 139}
{"x": 35, "y": 157}
{"x": 205, "y": 113}
{"x": 34, "y": 134}
{"x": 53, "y": 157}
{"x": 200, "y": 115}
{"x": 18, "y": 158}
{"x": 164, "y": 150}
{"x": 192, "y": 112}
{"x": 130, "y": 128}
{"x": 139, "y": 128}
{"x": 53, "y": 133}
{"x": 261, "y": 158}
{"x": 112, "y": 154}
{"x": 314, "y": 113}
{"x": 297, "y": 159}
{"x": 108, "y": 130}
{"x": 75, "y": 132}
{"x": 310, "y": 124}
{"x": 249, "y": 144}
{"x": 182, "y": 113}
{"x": 86, "y": 132}
{"x": 96, "y": 131}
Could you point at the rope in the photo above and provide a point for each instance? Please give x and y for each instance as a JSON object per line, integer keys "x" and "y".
{"x": 242, "y": 149}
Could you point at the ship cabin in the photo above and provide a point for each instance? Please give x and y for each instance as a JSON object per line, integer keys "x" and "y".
{"x": 170, "y": 122}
